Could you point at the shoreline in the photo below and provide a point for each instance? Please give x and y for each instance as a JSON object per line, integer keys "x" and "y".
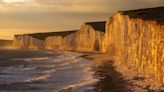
{"x": 110, "y": 77}
{"x": 86, "y": 86}
{"x": 135, "y": 81}
{"x": 114, "y": 77}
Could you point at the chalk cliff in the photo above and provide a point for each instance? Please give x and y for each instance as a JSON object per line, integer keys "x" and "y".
{"x": 89, "y": 37}
{"x": 61, "y": 41}
{"x": 49, "y": 40}
{"x": 27, "y": 42}
{"x": 137, "y": 38}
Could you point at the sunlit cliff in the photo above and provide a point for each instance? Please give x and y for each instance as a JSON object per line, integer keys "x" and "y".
{"x": 137, "y": 38}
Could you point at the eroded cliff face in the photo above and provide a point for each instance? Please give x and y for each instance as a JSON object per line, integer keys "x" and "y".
{"x": 61, "y": 42}
{"x": 137, "y": 43}
{"x": 68, "y": 42}
{"x": 53, "y": 42}
{"x": 27, "y": 42}
{"x": 88, "y": 39}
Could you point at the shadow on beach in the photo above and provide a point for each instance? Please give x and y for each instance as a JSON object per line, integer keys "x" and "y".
{"x": 109, "y": 79}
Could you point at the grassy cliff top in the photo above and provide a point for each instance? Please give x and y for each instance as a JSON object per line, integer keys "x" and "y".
{"x": 43, "y": 36}
{"x": 99, "y": 26}
{"x": 155, "y": 14}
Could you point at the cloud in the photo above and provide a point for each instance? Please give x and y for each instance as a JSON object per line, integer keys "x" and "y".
{"x": 151, "y": 1}
{"x": 51, "y": 15}
{"x": 85, "y": 6}
{"x": 57, "y": 5}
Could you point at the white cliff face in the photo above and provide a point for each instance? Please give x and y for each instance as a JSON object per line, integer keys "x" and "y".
{"x": 68, "y": 42}
{"x": 53, "y": 42}
{"x": 61, "y": 42}
{"x": 88, "y": 39}
{"x": 27, "y": 42}
{"x": 138, "y": 43}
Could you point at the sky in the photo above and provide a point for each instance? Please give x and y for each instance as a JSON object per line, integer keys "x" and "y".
{"x": 31, "y": 16}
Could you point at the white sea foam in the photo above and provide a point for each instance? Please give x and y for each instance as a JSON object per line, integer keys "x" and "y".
{"x": 44, "y": 76}
{"x": 32, "y": 59}
{"x": 81, "y": 86}
{"x": 27, "y": 69}
{"x": 64, "y": 68}
{"x": 64, "y": 64}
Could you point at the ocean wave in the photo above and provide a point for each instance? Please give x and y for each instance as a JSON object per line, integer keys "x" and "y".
{"x": 64, "y": 64}
{"x": 22, "y": 70}
{"x": 27, "y": 69}
{"x": 31, "y": 59}
{"x": 64, "y": 68}
{"x": 27, "y": 74}
{"x": 44, "y": 76}
{"x": 81, "y": 86}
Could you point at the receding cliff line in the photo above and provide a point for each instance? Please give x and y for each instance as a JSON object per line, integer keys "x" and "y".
{"x": 87, "y": 39}
{"x": 41, "y": 40}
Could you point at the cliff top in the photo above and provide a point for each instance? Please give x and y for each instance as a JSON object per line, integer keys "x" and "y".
{"x": 99, "y": 26}
{"x": 155, "y": 14}
{"x": 43, "y": 36}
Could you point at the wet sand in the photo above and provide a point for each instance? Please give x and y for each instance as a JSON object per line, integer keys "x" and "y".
{"x": 112, "y": 77}
{"x": 109, "y": 79}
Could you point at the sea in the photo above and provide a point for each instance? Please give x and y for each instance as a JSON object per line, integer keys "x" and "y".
{"x": 43, "y": 71}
